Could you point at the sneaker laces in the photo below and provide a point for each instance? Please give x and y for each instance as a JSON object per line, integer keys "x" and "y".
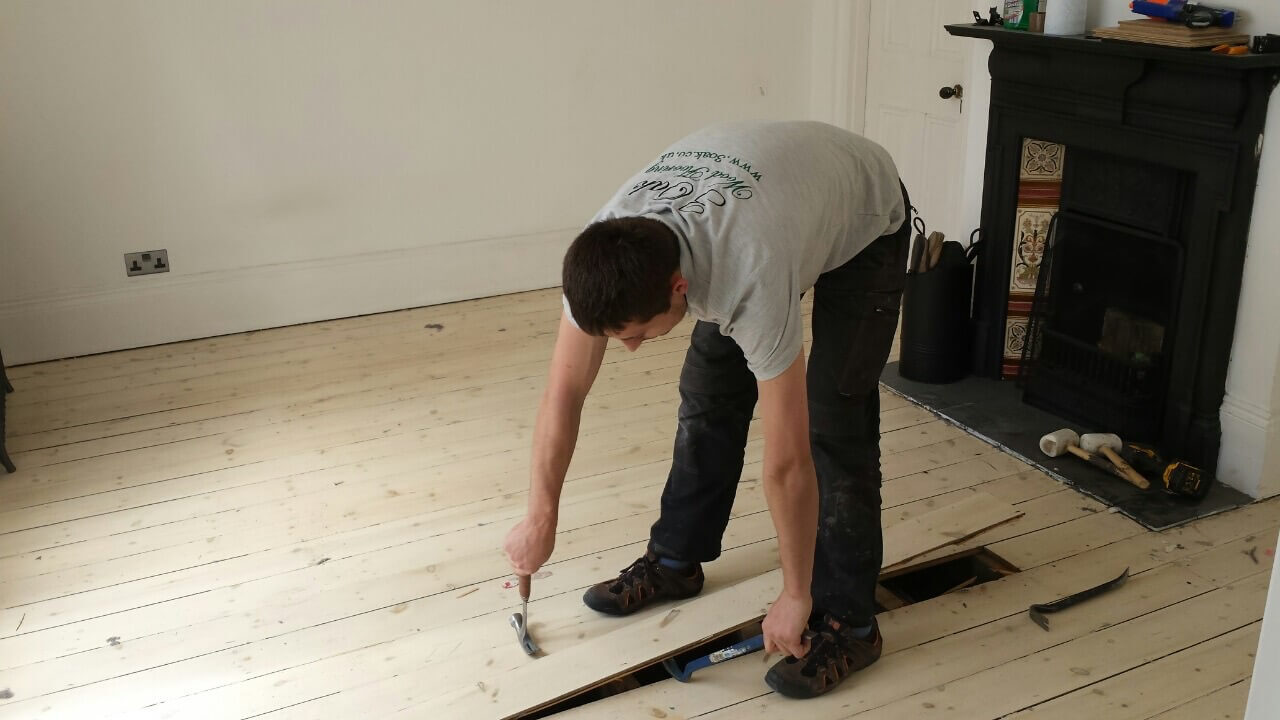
{"x": 635, "y": 574}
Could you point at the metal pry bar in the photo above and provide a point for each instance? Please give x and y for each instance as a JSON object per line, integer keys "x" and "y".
{"x": 1038, "y": 611}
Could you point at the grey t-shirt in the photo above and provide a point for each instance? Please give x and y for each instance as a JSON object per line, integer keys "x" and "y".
{"x": 762, "y": 209}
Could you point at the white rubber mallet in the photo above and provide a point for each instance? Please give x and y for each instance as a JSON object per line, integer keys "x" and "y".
{"x": 1066, "y": 440}
{"x": 1108, "y": 444}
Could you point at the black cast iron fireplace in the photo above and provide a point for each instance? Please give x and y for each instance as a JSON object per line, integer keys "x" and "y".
{"x": 1133, "y": 321}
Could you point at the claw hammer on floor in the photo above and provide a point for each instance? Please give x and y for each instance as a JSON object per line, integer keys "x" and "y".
{"x": 520, "y": 620}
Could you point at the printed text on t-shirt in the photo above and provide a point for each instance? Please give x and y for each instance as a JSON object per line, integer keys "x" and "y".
{"x": 669, "y": 191}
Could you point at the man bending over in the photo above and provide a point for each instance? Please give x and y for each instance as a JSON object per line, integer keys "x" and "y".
{"x": 733, "y": 224}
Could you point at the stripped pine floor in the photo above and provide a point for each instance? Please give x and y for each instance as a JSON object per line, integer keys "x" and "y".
{"x": 306, "y": 523}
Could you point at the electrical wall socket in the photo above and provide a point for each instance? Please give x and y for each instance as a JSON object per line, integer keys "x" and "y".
{"x": 146, "y": 263}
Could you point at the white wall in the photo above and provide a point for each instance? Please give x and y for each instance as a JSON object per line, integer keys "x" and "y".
{"x": 310, "y": 159}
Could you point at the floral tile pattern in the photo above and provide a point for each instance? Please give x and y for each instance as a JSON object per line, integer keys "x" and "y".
{"x": 1039, "y": 195}
{"x": 1042, "y": 160}
{"x": 1032, "y": 228}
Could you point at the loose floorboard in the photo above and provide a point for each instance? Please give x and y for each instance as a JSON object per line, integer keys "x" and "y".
{"x": 306, "y": 523}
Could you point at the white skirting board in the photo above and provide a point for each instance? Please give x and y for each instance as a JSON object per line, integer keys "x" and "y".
{"x": 171, "y": 307}
{"x": 1250, "y": 457}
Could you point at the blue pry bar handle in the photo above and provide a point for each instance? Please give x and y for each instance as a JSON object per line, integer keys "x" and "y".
{"x": 745, "y": 647}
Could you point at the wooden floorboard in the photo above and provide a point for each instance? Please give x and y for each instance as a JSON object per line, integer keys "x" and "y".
{"x": 1226, "y": 703}
{"x": 306, "y": 523}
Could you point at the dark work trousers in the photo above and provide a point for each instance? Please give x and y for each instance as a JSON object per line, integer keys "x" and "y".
{"x": 855, "y": 315}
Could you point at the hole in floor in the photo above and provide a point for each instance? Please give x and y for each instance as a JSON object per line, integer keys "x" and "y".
{"x": 922, "y": 582}
{"x": 907, "y": 586}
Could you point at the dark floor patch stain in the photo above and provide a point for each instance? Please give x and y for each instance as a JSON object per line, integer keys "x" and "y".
{"x": 322, "y": 561}
{"x": 1252, "y": 553}
{"x": 1086, "y": 508}
{"x": 433, "y": 326}
{"x": 113, "y": 641}
{"x": 6, "y": 694}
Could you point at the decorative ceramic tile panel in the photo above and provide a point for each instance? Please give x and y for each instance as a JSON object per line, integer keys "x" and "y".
{"x": 1042, "y": 160}
{"x": 1032, "y": 235}
{"x": 1039, "y": 195}
{"x": 1015, "y": 336}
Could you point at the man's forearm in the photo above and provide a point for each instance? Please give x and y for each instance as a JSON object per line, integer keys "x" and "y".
{"x": 792, "y": 495}
{"x": 554, "y": 436}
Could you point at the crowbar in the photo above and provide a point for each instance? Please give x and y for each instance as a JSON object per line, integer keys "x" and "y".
{"x": 746, "y": 647}
{"x": 1037, "y": 612}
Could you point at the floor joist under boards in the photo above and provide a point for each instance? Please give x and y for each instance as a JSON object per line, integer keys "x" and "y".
{"x": 307, "y": 523}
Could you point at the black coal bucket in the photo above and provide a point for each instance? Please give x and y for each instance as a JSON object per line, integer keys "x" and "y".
{"x": 936, "y": 327}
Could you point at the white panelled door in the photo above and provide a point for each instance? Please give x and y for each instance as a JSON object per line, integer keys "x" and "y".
{"x": 910, "y": 59}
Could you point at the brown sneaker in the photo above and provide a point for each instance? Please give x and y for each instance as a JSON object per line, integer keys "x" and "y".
{"x": 834, "y": 655}
{"x": 645, "y": 581}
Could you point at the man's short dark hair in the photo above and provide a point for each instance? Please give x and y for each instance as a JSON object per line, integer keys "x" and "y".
{"x": 618, "y": 271}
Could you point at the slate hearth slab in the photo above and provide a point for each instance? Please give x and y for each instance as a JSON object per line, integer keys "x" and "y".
{"x": 993, "y": 411}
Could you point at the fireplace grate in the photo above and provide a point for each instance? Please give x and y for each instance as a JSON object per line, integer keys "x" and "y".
{"x": 1096, "y": 338}
{"x": 1091, "y": 386}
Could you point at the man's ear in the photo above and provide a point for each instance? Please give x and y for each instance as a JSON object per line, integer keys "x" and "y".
{"x": 679, "y": 285}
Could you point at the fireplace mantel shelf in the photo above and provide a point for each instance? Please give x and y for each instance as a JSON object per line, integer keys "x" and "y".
{"x": 1080, "y": 43}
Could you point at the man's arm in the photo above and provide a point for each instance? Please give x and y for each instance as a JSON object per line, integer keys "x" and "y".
{"x": 791, "y": 489}
{"x": 574, "y": 365}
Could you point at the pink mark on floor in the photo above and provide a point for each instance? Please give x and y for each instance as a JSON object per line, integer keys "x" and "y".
{"x": 515, "y": 582}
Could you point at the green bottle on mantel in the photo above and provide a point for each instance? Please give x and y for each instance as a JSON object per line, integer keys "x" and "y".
{"x": 1018, "y": 13}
